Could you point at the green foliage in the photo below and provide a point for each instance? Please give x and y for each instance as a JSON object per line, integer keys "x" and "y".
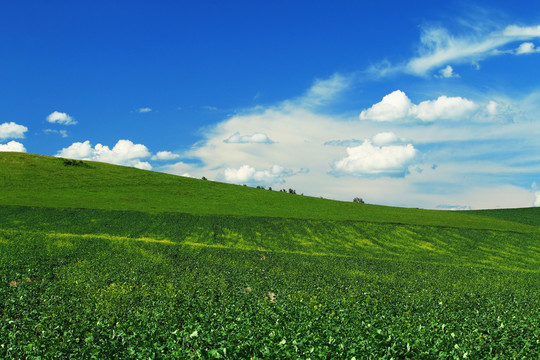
{"x": 78, "y": 283}
{"x": 71, "y": 162}
{"x": 529, "y": 216}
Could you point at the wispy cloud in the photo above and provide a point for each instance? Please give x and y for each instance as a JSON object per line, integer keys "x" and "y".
{"x": 62, "y": 133}
{"x": 144, "y": 110}
{"x": 439, "y": 49}
{"x": 257, "y": 138}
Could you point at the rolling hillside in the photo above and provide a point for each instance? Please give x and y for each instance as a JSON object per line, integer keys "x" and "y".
{"x": 34, "y": 180}
{"x": 102, "y": 261}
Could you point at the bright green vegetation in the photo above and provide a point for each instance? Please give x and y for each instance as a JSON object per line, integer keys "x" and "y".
{"x": 530, "y": 216}
{"x": 177, "y": 276}
{"x": 35, "y": 180}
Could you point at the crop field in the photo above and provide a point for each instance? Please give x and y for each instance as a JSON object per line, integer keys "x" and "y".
{"x": 185, "y": 286}
{"x": 107, "y": 262}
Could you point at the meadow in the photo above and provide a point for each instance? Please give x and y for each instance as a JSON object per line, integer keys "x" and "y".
{"x": 102, "y": 279}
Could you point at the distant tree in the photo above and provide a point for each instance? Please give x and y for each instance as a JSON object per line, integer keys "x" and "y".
{"x": 358, "y": 200}
{"x": 270, "y": 188}
{"x": 292, "y": 191}
{"x": 204, "y": 178}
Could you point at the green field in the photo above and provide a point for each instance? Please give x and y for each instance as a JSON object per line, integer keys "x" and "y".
{"x": 101, "y": 261}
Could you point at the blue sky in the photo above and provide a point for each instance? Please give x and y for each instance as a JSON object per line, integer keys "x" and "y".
{"x": 419, "y": 104}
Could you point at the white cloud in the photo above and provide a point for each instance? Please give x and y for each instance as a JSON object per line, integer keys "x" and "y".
{"x": 62, "y": 133}
{"x": 324, "y": 90}
{"x": 492, "y": 108}
{"x": 165, "y": 155}
{"x": 439, "y": 47}
{"x": 13, "y": 146}
{"x": 369, "y": 160}
{"x": 302, "y": 135}
{"x": 60, "y": 118}
{"x": 397, "y": 106}
{"x": 144, "y": 110}
{"x": 393, "y": 106}
{"x": 444, "y": 108}
{"x": 249, "y": 175}
{"x": 12, "y": 130}
{"x": 447, "y": 72}
{"x": 527, "y": 48}
{"x": 536, "y": 198}
{"x": 180, "y": 168}
{"x": 144, "y": 165}
{"x": 257, "y": 138}
{"x": 384, "y": 138}
{"x": 123, "y": 153}
{"x": 454, "y": 207}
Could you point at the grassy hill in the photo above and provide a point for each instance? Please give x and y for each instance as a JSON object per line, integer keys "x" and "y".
{"x": 103, "y": 261}
{"x": 34, "y": 180}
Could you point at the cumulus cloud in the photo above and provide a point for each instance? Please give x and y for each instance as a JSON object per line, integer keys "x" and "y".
{"x": 397, "y": 106}
{"x": 13, "y": 146}
{"x": 144, "y": 165}
{"x": 12, "y": 130}
{"x": 144, "y": 110}
{"x": 124, "y": 152}
{"x": 57, "y": 117}
{"x": 527, "y": 48}
{"x": 165, "y": 155}
{"x": 536, "y": 198}
{"x": 384, "y": 138}
{"x": 302, "y": 136}
{"x": 393, "y": 106}
{"x": 444, "y": 108}
{"x": 257, "y": 138}
{"x": 249, "y": 175}
{"x": 370, "y": 160}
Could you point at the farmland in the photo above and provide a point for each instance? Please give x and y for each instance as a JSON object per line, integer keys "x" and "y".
{"x": 158, "y": 269}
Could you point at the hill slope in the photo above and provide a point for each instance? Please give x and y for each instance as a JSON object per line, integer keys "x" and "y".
{"x": 34, "y": 180}
{"x": 101, "y": 261}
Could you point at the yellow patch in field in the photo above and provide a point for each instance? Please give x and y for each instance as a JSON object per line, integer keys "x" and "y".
{"x": 205, "y": 245}
{"x": 63, "y": 243}
{"x": 109, "y": 237}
